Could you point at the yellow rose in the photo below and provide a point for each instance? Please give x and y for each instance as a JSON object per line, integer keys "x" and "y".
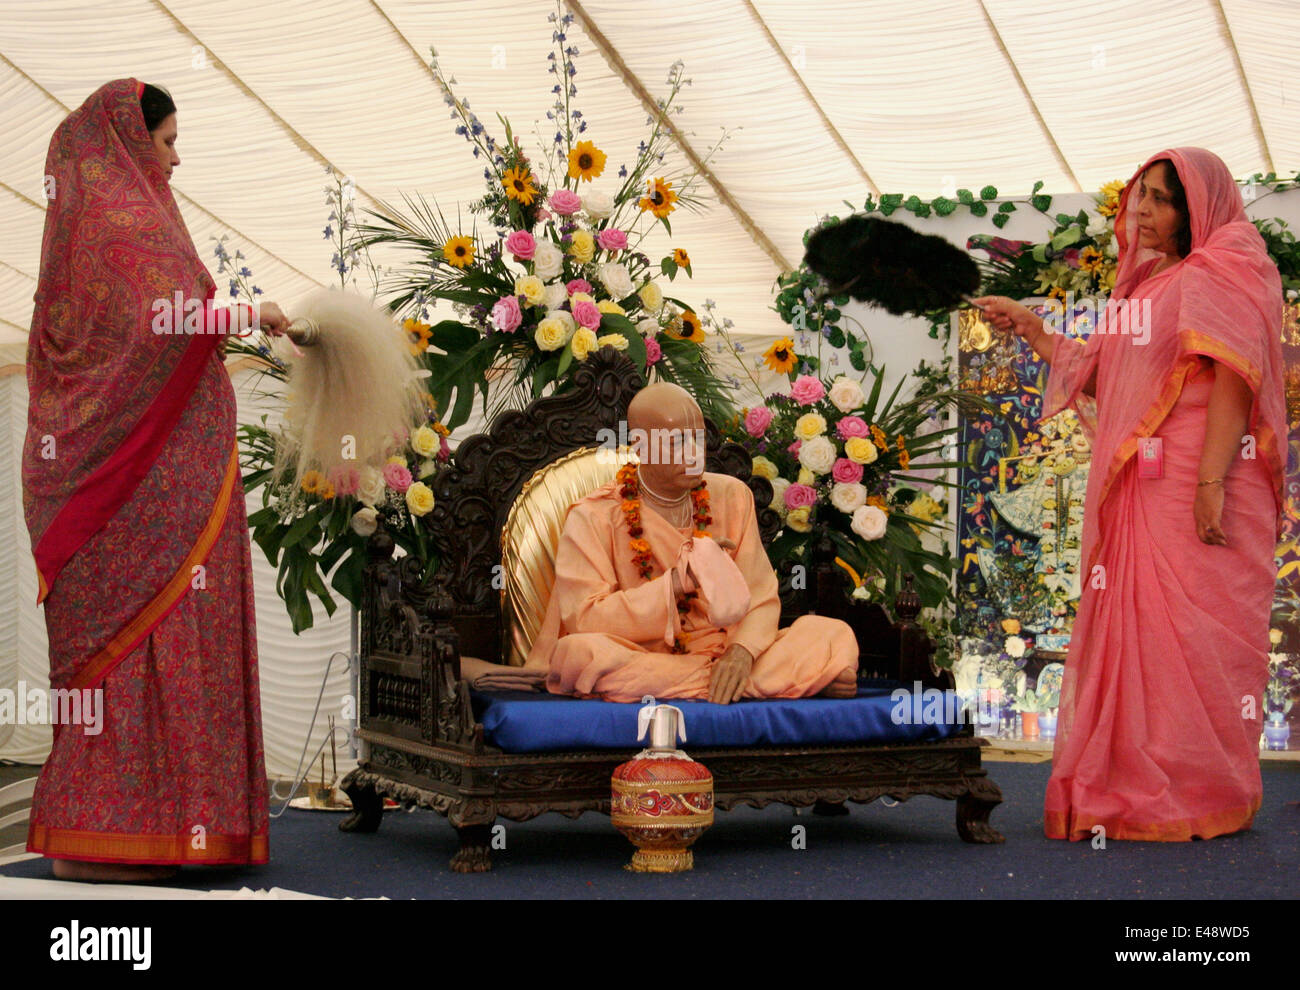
{"x": 810, "y": 425}
{"x": 419, "y": 499}
{"x": 1010, "y": 626}
{"x": 583, "y": 246}
{"x": 860, "y": 450}
{"x": 531, "y": 288}
{"x": 614, "y": 340}
{"x": 652, "y": 297}
{"x": 797, "y": 519}
{"x": 763, "y": 468}
{"x": 552, "y": 334}
{"x": 578, "y": 297}
{"x": 583, "y": 343}
{"x": 806, "y": 477}
{"x": 424, "y": 442}
{"x": 609, "y": 306}
{"x": 397, "y": 459}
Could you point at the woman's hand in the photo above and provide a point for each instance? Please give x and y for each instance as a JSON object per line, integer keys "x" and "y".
{"x": 1208, "y": 512}
{"x": 1005, "y": 314}
{"x": 272, "y": 319}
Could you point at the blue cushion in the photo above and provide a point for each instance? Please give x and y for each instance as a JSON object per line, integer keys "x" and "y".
{"x": 520, "y": 722}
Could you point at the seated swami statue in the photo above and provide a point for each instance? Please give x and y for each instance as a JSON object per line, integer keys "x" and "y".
{"x": 662, "y": 585}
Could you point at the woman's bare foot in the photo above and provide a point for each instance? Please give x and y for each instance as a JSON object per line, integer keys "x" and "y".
{"x": 844, "y": 686}
{"x": 75, "y": 869}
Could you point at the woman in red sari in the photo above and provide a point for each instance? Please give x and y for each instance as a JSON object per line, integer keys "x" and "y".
{"x": 132, "y": 495}
{"x": 1160, "y": 708}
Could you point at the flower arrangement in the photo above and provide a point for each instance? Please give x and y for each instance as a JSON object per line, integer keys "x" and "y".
{"x": 550, "y": 266}
{"x": 837, "y": 457}
{"x": 1283, "y": 684}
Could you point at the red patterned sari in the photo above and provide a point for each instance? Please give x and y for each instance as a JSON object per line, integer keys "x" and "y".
{"x": 132, "y": 495}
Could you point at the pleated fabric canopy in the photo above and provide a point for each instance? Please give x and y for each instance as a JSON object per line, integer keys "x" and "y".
{"x": 824, "y": 100}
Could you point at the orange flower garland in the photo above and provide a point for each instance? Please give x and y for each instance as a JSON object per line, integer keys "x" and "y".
{"x": 630, "y": 491}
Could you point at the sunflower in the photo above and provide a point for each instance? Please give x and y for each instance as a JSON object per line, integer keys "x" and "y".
{"x": 780, "y": 356}
{"x": 586, "y": 161}
{"x": 1056, "y": 292}
{"x": 459, "y": 252}
{"x": 659, "y": 198}
{"x": 681, "y": 258}
{"x": 312, "y": 482}
{"x": 418, "y": 335}
{"x": 1091, "y": 260}
{"x": 519, "y": 185}
{"x": 1108, "y": 205}
{"x": 691, "y": 328}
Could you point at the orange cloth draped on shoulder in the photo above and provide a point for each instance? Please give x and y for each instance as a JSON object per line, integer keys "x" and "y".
{"x": 133, "y": 498}
{"x": 1161, "y": 703}
{"x": 609, "y": 631}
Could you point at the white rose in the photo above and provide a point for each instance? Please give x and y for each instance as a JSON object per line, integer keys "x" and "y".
{"x": 370, "y": 490}
{"x": 614, "y": 277}
{"x": 817, "y": 455}
{"x": 1014, "y": 647}
{"x": 652, "y": 297}
{"x": 779, "y": 485}
{"x": 598, "y": 205}
{"x": 869, "y": 522}
{"x": 365, "y": 521}
{"x": 1096, "y": 227}
{"x": 548, "y": 260}
{"x": 846, "y": 395}
{"x": 565, "y": 317}
{"x": 848, "y": 498}
{"x": 647, "y": 327}
{"x": 555, "y": 295}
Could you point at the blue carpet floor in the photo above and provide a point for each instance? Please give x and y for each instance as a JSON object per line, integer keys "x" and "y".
{"x": 910, "y": 850}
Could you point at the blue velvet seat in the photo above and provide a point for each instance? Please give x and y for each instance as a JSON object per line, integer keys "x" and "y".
{"x": 520, "y": 722}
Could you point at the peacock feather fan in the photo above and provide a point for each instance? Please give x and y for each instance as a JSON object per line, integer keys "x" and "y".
{"x": 888, "y": 264}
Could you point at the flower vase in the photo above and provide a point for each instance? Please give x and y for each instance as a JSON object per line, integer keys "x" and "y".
{"x": 661, "y": 800}
{"x": 1029, "y": 725}
{"x": 1047, "y": 726}
{"x": 1276, "y": 731}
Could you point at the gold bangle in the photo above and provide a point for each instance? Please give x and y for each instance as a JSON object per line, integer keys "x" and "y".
{"x": 1212, "y": 481}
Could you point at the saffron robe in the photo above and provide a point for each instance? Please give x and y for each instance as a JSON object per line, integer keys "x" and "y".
{"x": 609, "y": 631}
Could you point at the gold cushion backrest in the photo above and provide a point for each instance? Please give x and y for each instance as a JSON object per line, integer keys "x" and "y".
{"x": 532, "y": 535}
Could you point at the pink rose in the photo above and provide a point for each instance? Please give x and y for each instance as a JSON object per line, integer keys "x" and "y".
{"x": 852, "y": 426}
{"x": 579, "y": 285}
{"x": 793, "y": 449}
{"x": 444, "y": 449}
{"x": 653, "y": 352}
{"x": 522, "y": 245}
{"x": 797, "y": 496}
{"x": 757, "y": 420}
{"x": 806, "y": 390}
{"x": 397, "y": 477}
{"x": 565, "y": 203}
{"x": 612, "y": 240}
{"x": 346, "y": 480}
{"x": 587, "y": 314}
{"x": 846, "y": 472}
{"x": 506, "y": 316}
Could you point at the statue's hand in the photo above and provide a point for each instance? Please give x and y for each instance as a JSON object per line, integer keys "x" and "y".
{"x": 730, "y": 675}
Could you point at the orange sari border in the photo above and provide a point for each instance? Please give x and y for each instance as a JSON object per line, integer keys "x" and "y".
{"x": 1064, "y": 825}
{"x": 1192, "y": 344}
{"x": 117, "y": 847}
{"x": 133, "y": 633}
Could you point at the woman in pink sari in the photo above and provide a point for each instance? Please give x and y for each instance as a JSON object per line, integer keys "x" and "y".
{"x": 1160, "y": 709}
{"x": 132, "y": 495}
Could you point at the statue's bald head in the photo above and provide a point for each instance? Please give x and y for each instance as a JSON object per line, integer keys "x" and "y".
{"x": 669, "y": 429}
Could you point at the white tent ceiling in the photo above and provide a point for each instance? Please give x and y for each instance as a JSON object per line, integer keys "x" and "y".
{"x": 828, "y": 100}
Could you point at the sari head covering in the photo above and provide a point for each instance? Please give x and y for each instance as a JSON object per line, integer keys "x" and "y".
{"x": 105, "y": 389}
{"x": 1223, "y": 301}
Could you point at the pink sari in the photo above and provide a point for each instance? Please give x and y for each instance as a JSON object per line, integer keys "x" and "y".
{"x": 1161, "y": 704}
{"x": 133, "y": 498}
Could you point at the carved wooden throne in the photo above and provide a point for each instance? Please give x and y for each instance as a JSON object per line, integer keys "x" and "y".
{"x": 421, "y": 742}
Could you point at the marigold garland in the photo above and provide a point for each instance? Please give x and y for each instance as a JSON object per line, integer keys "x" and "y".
{"x": 630, "y": 491}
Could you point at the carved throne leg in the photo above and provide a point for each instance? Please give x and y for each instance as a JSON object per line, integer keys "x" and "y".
{"x": 367, "y": 807}
{"x": 475, "y": 854}
{"x": 973, "y": 809}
